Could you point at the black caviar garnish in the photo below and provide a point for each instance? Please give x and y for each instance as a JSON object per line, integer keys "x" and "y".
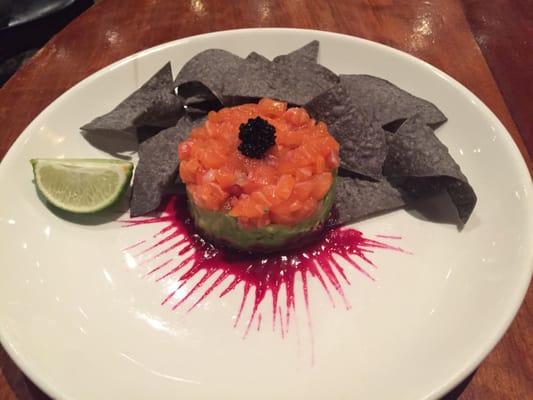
{"x": 257, "y": 136}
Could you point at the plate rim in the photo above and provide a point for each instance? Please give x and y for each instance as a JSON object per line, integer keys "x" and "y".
{"x": 453, "y": 380}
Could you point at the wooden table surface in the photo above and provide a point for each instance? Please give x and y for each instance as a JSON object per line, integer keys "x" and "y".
{"x": 485, "y": 45}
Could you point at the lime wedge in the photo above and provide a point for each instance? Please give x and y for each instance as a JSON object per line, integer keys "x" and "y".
{"x": 81, "y": 185}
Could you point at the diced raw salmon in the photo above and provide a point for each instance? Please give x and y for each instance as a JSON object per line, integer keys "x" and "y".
{"x": 284, "y": 187}
{"x": 297, "y": 117}
{"x": 321, "y": 184}
{"x": 302, "y": 190}
{"x": 209, "y": 196}
{"x": 188, "y": 170}
{"x": 272, "y": 108}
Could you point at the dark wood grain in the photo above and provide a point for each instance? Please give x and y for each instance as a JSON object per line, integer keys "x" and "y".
{"x": 434, "y": 30}
{"x": 504, "y": 32}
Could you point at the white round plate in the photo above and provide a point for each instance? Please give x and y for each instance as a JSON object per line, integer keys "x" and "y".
{"x": 78, "y": 315}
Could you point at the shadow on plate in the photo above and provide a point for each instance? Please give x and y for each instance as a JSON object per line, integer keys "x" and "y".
{"x": 437, "y": 209}
{"x": 119, "y": 146}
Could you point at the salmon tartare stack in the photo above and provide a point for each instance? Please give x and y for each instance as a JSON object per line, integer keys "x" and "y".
{"x": 259, "y": 177}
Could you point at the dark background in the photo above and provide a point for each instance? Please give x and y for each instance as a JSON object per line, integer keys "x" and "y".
{"x": 26, "y": 25}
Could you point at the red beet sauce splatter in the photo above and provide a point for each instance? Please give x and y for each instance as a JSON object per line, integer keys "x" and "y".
{"x": 178, "y": 251}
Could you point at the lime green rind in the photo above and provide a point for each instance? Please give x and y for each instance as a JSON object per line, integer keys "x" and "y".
{"x": 80, "y": 161}
{"x": 125, "y": 174}
{"x": 226, "y": 229}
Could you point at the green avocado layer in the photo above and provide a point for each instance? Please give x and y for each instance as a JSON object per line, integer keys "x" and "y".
{"x": 225, "y": 229}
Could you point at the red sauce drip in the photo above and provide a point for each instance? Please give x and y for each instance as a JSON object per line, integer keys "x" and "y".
{"x": 178, "y": 251}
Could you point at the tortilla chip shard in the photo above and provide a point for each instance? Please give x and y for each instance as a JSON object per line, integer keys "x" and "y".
{"x": 422, "y": 165}
{"x": 296, "y": 79}
{"x": 387, "y": 103}
{"x": 146, "y": 111}
{"x": 363, "y": 142}
{"x": 209, "y": 67}
{"x": 158, "y": 167}
{"x": 358, "y": 198}
{"x": 308, "y": 52}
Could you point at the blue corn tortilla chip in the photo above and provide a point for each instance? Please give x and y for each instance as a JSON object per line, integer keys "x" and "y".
{"x": 363, "y": 146}
{"x": 388, "y": 104}
{"x": 309, "y": 53}
{"x": 158, "y": 166}
{"x": 421, "y": 164}
{"x": 249, "y": 81}
{"x": 209, "y": 67}
{"x": 390, "y": 155}
{"x": 198, "y": 99}
{"x": 295, "y": 80}
{"x": 145, "y": 112}
{"x": 304, "y": 80}
{"x": 199, "y": 82}
{"x": 201, "y": 94}
{"x": 358, "y": 198}
{"x": 256, "y": 57}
